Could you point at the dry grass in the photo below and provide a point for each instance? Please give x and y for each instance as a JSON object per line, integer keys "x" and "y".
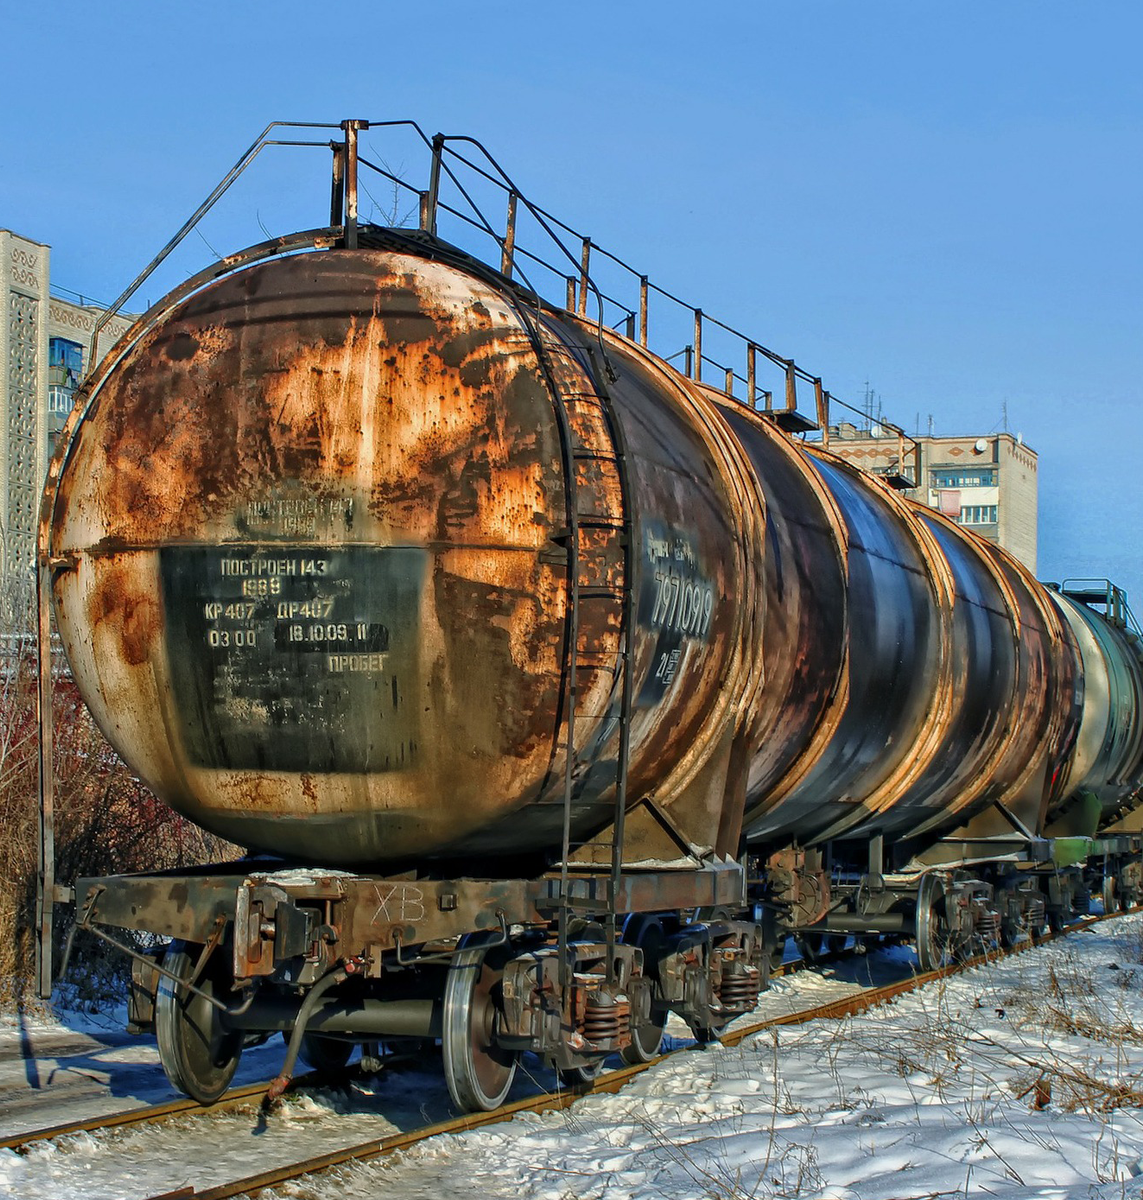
{"x": 106, "y": 820}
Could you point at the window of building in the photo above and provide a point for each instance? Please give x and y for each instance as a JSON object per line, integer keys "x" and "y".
{"x": 962, "y": 477}
{"x": 66, "y": 354}
{"x": 65, "y": 366}
{"x": 978, "y": 514}
{"x": 60, "y": 400}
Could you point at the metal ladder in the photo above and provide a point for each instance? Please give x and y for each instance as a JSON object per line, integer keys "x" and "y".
{"x": 593, "y": 445}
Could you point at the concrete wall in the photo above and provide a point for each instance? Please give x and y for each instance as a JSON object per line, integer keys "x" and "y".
{"x": 23, "y": 395}
{"x": 1020, "y": 491}
{"x": 31, "y": 317}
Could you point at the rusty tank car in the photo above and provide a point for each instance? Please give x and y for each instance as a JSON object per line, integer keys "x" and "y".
{"x": 560, "y": 684}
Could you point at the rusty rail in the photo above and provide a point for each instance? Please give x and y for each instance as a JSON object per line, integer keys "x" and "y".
{"x": 237, "y": 1097}
{"x": 612, "y": 1082}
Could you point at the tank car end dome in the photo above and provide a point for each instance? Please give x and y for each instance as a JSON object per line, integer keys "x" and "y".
{"x": 310, "y": 591}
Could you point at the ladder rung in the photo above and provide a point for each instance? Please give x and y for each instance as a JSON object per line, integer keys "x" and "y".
{"x": 600, "y": 593}
{"x": 597, "y": 660}
{"x": 594, "y": 456}
{"x": 592, "y": 521}
{"x": 586, "y": 520}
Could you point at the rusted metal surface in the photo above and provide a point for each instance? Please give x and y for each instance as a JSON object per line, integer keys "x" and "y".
{"x": 1109, "y": 745}
{"x": 181, "y": 906}
{"x": 329, "y": 917}
{"x": 311, "y": 566}
{"x": 311, "y": 601}
{"x": 805, "y": 644}
{"x": 936, "y": 677}
{"x": 1040, "y": 721}
{"x": 312, "y": 584}
{"x": 1016, "y": 689}
{"x": 699, "y": 531}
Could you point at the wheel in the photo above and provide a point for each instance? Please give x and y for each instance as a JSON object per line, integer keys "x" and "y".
{"x": 328, "y": 1055}
{"x": 646, "y": 932}
{"x": 934, "y": 939}
{"x": 479, "y": 1072}
{"x": 579, "y": 1076}
{"x": 1010, "y": 932}
{"x": 1110, "y": 895}
{"x": 646, "y": 1041}
{"x": 198, "y": 1053}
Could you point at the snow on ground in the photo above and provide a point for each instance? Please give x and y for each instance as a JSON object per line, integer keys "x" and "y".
{"x": 1020, "y": 1080}
{"x": 56, "y": 1070}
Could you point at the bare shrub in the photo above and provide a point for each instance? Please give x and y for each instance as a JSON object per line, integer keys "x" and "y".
{"x": 106, "y": 821}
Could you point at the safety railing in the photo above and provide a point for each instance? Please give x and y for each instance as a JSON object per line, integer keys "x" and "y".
{"x": 576, "y": 254}
{"x": 1109, "y": 596}
{"x": 549, "y": 258}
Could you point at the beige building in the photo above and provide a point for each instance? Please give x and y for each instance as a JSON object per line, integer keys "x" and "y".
{"x": 45, "y": 341}
{"x": 987, "y": 484}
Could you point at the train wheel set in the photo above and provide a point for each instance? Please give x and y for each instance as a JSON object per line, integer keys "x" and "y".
{"x": 549, "y": 687}
{"x": 491, "y": 995}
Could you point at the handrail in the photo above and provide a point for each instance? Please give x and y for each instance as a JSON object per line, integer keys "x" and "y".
{"x": 575, "y": 253}
{"x": 498, "y": 177}
{"x": 252, "y": 152}
{"x": 1114, "y": 599}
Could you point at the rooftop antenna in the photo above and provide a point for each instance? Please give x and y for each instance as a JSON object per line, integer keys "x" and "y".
{"x": 1004, "y": 409}
{"x": 930, "y": 424}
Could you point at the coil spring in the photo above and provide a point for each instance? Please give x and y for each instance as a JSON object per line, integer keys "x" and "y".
{"x": 1037, "y": 912}
{"x": 740, "y": 989}
{"x": 988, "y": 925}
{"x": 607, "y": 1022}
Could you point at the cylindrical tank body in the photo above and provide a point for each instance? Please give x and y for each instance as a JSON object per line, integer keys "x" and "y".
{"x": 954, "y": 679}
{"x": 313, "y": 565}
{"x": 1107, "y": 765}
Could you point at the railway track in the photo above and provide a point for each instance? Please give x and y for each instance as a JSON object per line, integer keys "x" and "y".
{"x": 249, "y": 1095}
{"x": 236, "y": 1098}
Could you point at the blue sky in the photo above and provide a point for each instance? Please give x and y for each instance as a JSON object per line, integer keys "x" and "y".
{"x": 941, "y": 200}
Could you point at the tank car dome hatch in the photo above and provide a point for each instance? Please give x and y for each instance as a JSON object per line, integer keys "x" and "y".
{"x": 310, "y": 515}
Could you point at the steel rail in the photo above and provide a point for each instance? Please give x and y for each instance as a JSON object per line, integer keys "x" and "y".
{"x": 147, "y": 1113}
{"x": 612, "y": 1082}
